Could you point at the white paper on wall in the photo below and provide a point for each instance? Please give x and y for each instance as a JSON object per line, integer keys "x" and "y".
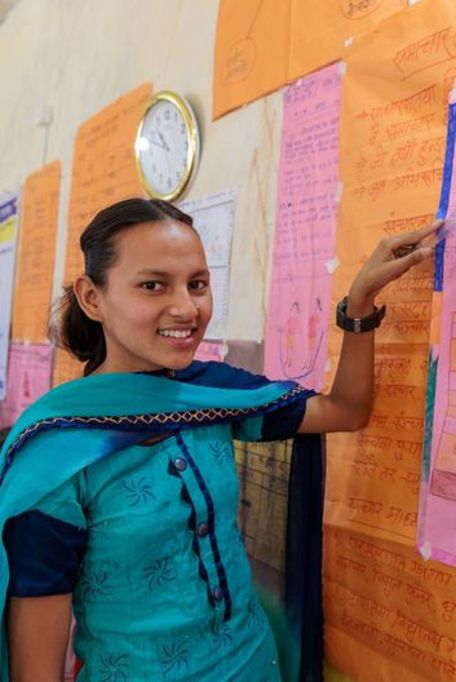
{"x": 213, "y": 217}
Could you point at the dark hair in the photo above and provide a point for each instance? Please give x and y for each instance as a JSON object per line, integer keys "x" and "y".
{"x": 77, "y": 333}
{"x": 3, "y": 434}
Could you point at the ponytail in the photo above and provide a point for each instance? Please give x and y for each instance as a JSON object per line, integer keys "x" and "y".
{"x": 78, "y": 334}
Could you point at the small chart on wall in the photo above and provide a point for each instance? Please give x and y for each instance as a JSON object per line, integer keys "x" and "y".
{"x": 30, "y": 353}
{"x": 36, "y": 251}
{"x": 213, "y": 217}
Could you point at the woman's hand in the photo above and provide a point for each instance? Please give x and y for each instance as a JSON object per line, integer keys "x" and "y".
{"x": 349, "y": 403}
{"x": 393, "y": 257}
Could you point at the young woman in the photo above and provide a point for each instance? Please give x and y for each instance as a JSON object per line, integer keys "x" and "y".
{"x": 119, "y": 491}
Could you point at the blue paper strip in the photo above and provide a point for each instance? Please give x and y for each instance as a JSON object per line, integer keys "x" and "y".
{"x": 445, "y": 193}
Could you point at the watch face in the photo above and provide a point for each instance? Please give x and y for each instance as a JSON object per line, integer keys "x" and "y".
{"x": 166, "y": 148}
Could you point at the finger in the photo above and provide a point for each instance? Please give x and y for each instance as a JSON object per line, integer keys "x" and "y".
{"x": 431, "y": 241}
{"x": 427, "y": 237}
{"x": 394, "y": 269}
{"x": 397, "y": 267}
{"x": 430, "y": 229}
{"x": 417, "y": 256}
{"x": 401, "y": 251}
{"x": 416, "y": 236}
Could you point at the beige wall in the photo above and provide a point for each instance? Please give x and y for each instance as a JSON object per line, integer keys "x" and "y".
{"x": 73, "y": 57}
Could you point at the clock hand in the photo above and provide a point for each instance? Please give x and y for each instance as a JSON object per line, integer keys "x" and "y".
{"x": 165, "y": 146}
{"x": 157, "y": 144}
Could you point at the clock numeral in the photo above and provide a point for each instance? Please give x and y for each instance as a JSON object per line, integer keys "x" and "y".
{"x": 182, "y": 129}
{"x": 167, "y": 114}
{"x": 169, "y": 183}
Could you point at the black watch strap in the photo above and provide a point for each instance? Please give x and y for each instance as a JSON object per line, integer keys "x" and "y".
{"x": 358, "y": 325}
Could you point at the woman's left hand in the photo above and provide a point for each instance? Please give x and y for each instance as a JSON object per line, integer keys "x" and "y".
{"x": 392, "y": 258}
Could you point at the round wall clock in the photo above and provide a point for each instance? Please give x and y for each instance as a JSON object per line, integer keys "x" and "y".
{"x": 167, "y": 146}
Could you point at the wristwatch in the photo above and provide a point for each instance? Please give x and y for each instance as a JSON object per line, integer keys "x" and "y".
{"x": 358, "y": 325}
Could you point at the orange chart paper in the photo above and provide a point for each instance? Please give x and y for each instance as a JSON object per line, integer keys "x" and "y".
{"x": 322, "y": 32}
{"x": 104, "y": 167}
{"x": 263, "y": 44}
{"x": 384, "y": 603}
{"x": 66, "y": 367}
{"x": 35, "y": 264}
{"x": 251, "y": 51}
{"x": 104, "y": 171}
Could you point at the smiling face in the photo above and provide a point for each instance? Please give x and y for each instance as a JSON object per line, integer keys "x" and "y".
{"x": 156, "y": 303}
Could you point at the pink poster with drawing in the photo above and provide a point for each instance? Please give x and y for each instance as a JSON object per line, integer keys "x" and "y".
{"x": 29, "y": 376}
{"x": 437, "y": 512}
{"x": 304, "y": 248}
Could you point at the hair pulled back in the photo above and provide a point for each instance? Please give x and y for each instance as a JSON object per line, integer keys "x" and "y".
{"x": 77, "y": 333}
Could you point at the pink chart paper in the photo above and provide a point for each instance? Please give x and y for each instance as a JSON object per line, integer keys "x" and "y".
{"x": 29, "y": 376}
{"x": 304, "y": 249}
{"x": 210, "y": 351}
{"x": 437, "y": 514}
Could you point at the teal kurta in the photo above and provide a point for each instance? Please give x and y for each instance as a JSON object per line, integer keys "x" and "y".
{"x": 164, "y": 589}
{"x": 147, "y": 603}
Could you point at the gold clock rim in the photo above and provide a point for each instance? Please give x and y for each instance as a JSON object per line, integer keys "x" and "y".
{"x": 193, "y": 147}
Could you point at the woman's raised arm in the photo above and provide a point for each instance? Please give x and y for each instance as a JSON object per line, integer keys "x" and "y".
{"x": 348, "y": 405}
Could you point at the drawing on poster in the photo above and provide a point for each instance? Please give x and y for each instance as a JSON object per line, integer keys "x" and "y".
{"x": 301, "y": 342}
{"x": 241, "y": 56}
{"x": 357, "y": 10}
{"x": 251, "y": 51}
